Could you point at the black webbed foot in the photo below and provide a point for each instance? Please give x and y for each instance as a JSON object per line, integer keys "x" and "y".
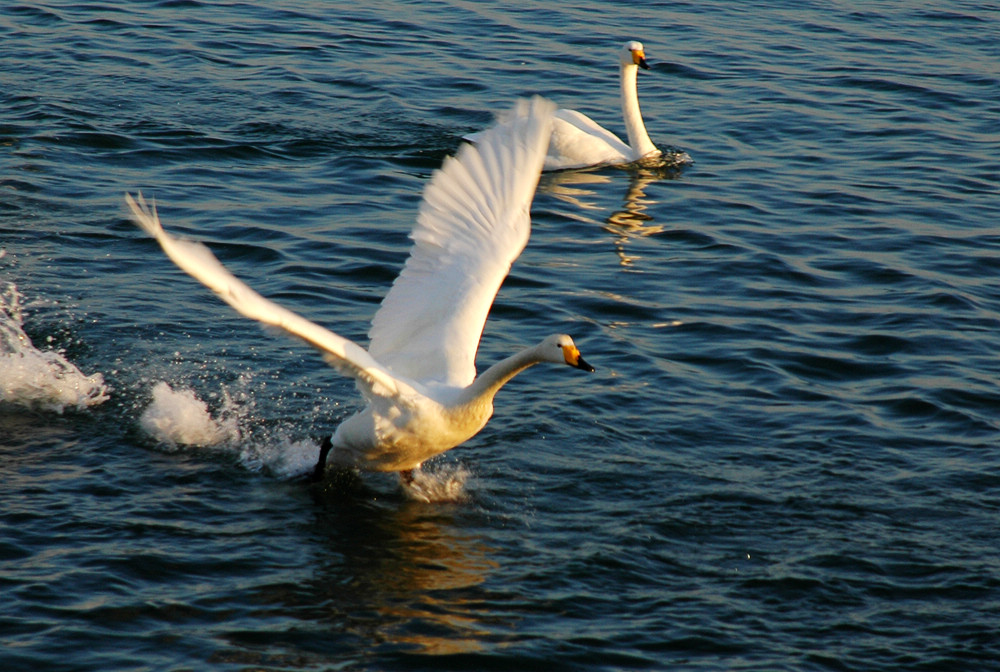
{"x": 320, "y": 468}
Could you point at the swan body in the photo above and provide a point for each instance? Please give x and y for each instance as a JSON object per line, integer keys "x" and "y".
{"x": 578, "y": 141}
{"x": 418, "y": 374}
{"x": 399, "y": 434}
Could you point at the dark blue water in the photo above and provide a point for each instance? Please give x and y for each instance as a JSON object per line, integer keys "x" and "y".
{"x": 788, "y": 459}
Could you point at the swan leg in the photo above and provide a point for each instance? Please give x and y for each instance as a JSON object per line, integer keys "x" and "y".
{"x": 407, "y": 476}
{"x": 320, "y": 468}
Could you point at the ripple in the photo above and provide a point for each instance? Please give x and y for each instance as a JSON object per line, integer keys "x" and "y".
{"x": 784, "y": 461}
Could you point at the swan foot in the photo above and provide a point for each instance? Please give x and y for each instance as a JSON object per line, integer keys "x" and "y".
{"x": 320, "y": 468}
{"x": 408, "y": 476}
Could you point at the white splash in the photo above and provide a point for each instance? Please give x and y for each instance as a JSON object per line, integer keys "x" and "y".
{"x": 179, "y": 418}
{"x": 280, "y": 456}
{"x": 39, "y": 379}
{"x": 442, "y": 484}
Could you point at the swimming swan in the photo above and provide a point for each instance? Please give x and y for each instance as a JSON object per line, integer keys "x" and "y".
{"x": 578, "y": 141}
{"x": 418, "y": 375}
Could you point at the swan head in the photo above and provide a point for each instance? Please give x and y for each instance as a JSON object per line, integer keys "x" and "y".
{"x": 560, "y": 349}
{"x": 633, "y": 54}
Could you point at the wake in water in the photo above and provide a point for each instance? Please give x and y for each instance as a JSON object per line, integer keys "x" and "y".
{"x": 39, "y": 379}
{"x": 178, "y": 420}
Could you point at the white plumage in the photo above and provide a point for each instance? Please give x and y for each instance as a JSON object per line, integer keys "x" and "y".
{"x": 578, "y": 141}
{"x": 418, "y": 375}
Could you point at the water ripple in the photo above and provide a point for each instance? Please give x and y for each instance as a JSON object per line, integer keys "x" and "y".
{"x": 784, "y": 461}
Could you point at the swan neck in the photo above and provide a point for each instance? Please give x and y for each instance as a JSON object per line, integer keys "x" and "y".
{"x": 492, "y": 379}
{"x": 638, "y": 138}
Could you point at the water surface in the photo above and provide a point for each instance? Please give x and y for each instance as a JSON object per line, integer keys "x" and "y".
{"x": 787, "y": 458}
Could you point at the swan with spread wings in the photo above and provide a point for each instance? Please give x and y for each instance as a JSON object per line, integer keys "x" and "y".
{"x": 418, "y": 374}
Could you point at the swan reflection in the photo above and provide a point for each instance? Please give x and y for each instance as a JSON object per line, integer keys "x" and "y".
{"x": 394, "y": 574}
{"x": 631, "y": 219}
{"x": 418, "y": 572}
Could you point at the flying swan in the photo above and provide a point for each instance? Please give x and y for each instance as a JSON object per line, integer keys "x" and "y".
{"x": 418, "y": 374}
{"x": 578, "y": 141}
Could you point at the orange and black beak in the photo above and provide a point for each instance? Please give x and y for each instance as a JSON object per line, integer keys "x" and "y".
{"x": 573, "y": 358}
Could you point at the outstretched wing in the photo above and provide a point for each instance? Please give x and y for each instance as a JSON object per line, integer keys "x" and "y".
{"x": 473, "y": 223}
{"x": 199, "y": 262}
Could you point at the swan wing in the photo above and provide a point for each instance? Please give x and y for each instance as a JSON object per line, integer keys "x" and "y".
{"x": 473, "y": 223}
{"x": 578, "y": 140}
{"x": 198, "y": 261}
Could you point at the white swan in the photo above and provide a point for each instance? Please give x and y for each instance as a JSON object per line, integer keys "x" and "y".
{"x": 578, "y": 141}
{"x": 418, "y": 375}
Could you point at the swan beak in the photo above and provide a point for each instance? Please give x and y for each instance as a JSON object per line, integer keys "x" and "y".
{"x": 573, "y": 358}
{"x": 639, "y": 58}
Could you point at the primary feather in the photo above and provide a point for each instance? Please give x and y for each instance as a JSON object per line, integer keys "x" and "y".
{"x": 473, "y": 223}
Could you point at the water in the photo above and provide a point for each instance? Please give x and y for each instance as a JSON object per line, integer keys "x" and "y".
{"x": 787, "y": 459}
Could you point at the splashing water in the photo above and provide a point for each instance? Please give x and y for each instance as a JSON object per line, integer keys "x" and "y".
{"x": 38, "y": 379}
{"x": 180, "y": 418}
{"x": 283, "y": 457}
{"x": 442, "y": 484}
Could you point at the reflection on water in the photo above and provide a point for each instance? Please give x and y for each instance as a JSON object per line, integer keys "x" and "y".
{"x": 395, "y": 573}
{"x": 569, "y": 186}
{"x": 632, "y": 219}
{"x": 412, "y": 568}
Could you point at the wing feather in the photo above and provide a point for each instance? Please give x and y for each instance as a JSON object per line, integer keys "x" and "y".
{"x": 578, "y": 141}
{"x": 473, "y": 223}
{"x": 199, "y": 262}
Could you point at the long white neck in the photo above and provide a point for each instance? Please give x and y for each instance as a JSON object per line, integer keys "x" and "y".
{"x": 638, "y": 139}
{"x": 489, "y": 382}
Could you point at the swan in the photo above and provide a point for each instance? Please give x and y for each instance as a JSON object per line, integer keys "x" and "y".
{"x": 578, "y": 141}
{"x": 418, "y": 374}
